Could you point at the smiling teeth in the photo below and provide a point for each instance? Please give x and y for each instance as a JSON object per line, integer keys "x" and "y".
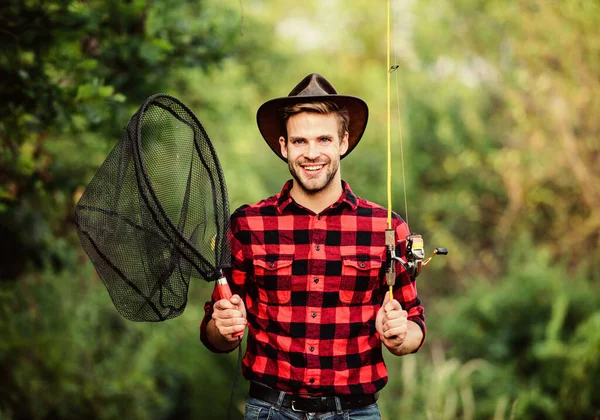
{"x": 313, "y": 168}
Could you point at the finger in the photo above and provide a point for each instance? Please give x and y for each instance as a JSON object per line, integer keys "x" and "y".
{"x": 235, "y": 300}
{"x": 228, "y": 313}
{"x": 231, "y": 322}
{"x": 389, "y": 300}
{"x": 394, "y": 323}
{"x": 386, "y": 298}
{"x": 396, "y": 314}
{"x": 223, "y": 304}
{"x": 241, "y": 326}
{"x": 240, "y": 305}
{"x": 231, "y": 326}
{"x": 396, "y": 332}
{"x": 392, "y": 305}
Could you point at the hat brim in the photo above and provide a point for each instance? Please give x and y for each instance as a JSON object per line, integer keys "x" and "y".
{"x": 269, "y": 125}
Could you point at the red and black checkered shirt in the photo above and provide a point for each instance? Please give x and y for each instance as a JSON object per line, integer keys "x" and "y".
{"x": 313, "y": 284}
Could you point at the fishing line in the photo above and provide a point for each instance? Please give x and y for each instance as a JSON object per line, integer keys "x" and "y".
{"x": 393, "y": 68}
{"x": 400, "y": 133}
{"x": 414, "y": 247}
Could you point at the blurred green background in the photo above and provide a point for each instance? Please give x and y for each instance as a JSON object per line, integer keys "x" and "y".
{"x": 498, "y": 105}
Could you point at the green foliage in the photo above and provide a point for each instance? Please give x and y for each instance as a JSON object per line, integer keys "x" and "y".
{"x": 525, "y": 347}
{"x": 46, "y": 353}
{"x": 74, "y": 72}
{"x": 66, "y": 353}
{"x": 511, "y": 123}
{"x": 437, "y": 387}
{"x": 539, "y": 328}
{"x": 496, "y": 106}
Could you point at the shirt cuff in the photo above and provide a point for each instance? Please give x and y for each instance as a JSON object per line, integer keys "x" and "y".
{"x": 421, "y": 324}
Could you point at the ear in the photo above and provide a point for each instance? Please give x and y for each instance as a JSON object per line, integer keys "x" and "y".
{"x": 282, "y": 144}
{"x": 344, "y": 144}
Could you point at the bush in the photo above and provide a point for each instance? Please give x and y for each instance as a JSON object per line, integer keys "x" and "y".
{"x": 66, "y": 353}
{"x": 539, "y": 328}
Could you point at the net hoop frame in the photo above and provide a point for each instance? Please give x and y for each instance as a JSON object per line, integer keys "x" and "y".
{"x": 141, "y": 171}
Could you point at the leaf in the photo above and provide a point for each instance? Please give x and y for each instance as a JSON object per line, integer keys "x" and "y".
{"x": 105, "y": 91}
{"x": 119, "y": 97}
{"x": 85, "y": 91}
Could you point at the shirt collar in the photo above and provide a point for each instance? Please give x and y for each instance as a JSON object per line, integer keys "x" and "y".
{"x": 284, "y": 199}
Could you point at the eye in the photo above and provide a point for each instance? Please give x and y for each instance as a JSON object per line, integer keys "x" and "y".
{"x": 298, "y": 141}
{"x": 325, "y": 139}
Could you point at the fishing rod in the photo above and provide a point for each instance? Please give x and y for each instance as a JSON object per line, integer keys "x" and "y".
{"x": 414, "y": 259}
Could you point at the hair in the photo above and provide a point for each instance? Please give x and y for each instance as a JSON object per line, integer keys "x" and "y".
{"x": 320, "y": 107}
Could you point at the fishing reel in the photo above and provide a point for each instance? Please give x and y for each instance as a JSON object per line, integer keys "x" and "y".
{"x": 415, "y": 255}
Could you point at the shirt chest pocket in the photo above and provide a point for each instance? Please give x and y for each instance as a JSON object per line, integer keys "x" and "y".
{"x": 360, "y": 276}
{"x": 273, "y": 275}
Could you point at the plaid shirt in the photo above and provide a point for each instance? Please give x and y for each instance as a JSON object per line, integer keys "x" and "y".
{"x": 313, "y": 285}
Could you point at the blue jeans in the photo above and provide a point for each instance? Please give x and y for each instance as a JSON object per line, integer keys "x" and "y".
{"x": 261, "y": 410}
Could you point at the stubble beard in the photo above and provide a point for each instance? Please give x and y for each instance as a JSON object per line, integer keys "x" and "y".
{"x": 312, "y": 190}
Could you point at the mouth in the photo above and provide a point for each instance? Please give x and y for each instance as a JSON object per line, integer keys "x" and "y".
{"x": 313, "y": 169}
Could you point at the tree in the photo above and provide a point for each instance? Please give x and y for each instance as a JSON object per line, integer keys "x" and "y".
{"x": 72, "y": 74}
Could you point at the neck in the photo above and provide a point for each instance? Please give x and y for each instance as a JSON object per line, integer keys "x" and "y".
{"x": 319, "y": 201}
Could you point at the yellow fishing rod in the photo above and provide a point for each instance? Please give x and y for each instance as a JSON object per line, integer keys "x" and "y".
{"x": 415, "y": 251}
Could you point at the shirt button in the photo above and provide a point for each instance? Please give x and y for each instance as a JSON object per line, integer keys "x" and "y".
{"x": 318, "y": 248}
{"x": 311, "y": 348}
{"x": 314, "y": 314}
{"x": 362, "y": 265}
{"x": 316, "y": 280}
{"x": 319, "y": 217}
{"x": 312, "y": 380}
{"x": 272, "y": 264}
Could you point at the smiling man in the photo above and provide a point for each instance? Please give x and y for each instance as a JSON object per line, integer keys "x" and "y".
{"x": 314, "y": 139}
{"x": 308, "y": 273}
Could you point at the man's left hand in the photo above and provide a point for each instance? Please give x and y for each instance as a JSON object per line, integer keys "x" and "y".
{"x": 391, "y": 323}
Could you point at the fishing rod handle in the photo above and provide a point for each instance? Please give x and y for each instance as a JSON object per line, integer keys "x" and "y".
{"x": 223, "y": 288}
{"x": 225, "y": 293}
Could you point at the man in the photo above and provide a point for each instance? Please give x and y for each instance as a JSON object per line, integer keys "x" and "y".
{"x": 308, "y": 270}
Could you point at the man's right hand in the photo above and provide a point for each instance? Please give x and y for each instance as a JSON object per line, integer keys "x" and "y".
{"x": 229, "y": 316}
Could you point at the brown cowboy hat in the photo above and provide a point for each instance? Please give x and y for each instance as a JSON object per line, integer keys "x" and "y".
{"x": 313, "y": 87}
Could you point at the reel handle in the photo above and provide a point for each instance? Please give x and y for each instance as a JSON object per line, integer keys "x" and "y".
{"x": 437, "y": 251}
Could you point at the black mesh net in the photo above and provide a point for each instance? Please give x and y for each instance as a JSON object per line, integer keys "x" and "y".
{"x": 156, "y": 213}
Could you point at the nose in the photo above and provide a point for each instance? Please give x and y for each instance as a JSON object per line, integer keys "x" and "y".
{"x": 313, "y": 151}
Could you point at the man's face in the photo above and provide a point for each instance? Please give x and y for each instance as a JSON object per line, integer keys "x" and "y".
{"x": 313, "y": 150}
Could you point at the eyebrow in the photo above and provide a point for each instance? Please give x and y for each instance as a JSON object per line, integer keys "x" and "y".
{"x": 294, "y": 138}
{"x": 322, "y": 136}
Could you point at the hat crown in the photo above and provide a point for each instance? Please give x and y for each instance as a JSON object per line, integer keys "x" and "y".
{"x": 313, "y": 85}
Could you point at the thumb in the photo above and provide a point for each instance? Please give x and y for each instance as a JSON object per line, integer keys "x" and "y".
{"x": 386, "y": 298}
{"x": 390, "y": 303}
{"x": 237, "y": 300}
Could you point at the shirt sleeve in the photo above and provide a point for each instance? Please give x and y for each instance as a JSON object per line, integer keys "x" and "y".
{"x": 405, "y": 288}
{"x": 236, "y": 277}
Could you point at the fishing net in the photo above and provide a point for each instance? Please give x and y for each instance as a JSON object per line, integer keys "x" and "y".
{"x": 155, "y": 214}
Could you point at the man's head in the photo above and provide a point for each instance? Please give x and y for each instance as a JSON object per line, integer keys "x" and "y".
{"x": 317, "y": 107}
{"x": 313, "y": 89}
{"x": 315, "y": 136}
